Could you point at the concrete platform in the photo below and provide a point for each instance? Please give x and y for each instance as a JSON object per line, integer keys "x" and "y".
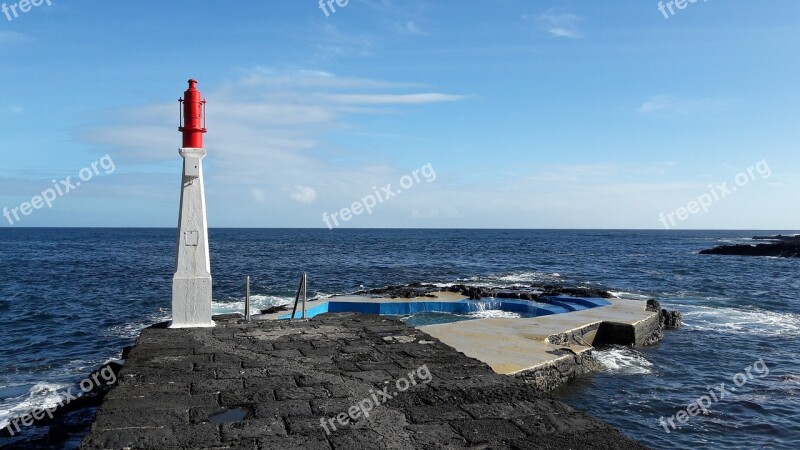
{"x": 272, "y": 384}
{"x": 549, "y": 350}
{"x": 546, "y": 350}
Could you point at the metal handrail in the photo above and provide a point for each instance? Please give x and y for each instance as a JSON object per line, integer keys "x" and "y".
{"x": 301, "y": 289}
{"x": 247, "y": 300}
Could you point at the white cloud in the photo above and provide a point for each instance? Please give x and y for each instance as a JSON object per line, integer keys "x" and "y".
{"x": 259, "y": 196}
{"x": 560, "y": 25}
{"x": 267, "y": 130}
{"x": 411, "y": 27}
{"x": 394, "y": 99}
{"x": 331, "y": 41}
{"x": 436, "y": 213}
{"x": 666, "y": 104}
{"x": 304, "y": 194}
{"x": 11, "y": 37}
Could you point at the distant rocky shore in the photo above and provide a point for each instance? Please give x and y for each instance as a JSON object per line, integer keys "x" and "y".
{"x": 779, "y": 246}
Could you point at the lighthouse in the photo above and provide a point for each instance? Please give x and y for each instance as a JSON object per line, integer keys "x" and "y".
{"x": 191, "y": 284}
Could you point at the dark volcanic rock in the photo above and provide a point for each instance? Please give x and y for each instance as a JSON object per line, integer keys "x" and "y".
{"x": 780, "y": 249}
{"x": 275, "y": 309}
{"x": 554, "y": 290}
{"x": 779, "y": 237}
{"x": 411, "y": 291}
{"x": 518, "y": 294}
{"x": 653, "y": 305}
{"x": 532, "y": 292}
{"x": 669, "y": 319}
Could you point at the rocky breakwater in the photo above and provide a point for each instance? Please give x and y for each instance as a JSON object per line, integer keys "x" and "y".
{"x": 533, "y": 292}
{"x": 779, "y": 246}
{"x": 337, "y": 381}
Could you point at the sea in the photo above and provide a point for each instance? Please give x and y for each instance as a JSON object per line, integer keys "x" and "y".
{"x": 71, "y": 299}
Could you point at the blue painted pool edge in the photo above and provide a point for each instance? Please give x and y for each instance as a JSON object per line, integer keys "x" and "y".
{"x": 554, "y": 305}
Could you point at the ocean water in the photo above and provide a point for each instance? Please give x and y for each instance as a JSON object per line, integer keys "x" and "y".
{"x": 70, "y": 299}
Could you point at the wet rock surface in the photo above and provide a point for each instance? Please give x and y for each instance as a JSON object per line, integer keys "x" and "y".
{"x": 271, "y": 384}
{"x": 532, "y": 292}
{"x": 780, "y": 246}
{"x": 669, "y": 319}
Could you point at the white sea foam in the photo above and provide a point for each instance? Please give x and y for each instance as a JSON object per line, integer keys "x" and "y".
{"x": 791, "y": 379}
{"x": 40, "y": 396}
{"x": 740, "y": 321}
{"x": 623, "y": 360}
{"x": 495, "y": 314}
{"x": 441, "y": 285}
{"x": 515, "y": 278}
{"x": 630, "y": 295}
{"x": 133, "y": 329}
{"x": 257, "y": 303}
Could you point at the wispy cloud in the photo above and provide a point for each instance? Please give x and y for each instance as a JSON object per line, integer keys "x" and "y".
{"x": 670, "y": 105}
{"x": 602, "y": 172}
{"x": 269, "y": 138}
{"x": 410, "y": 27}
{"x": 406, "y": 17}
{"x": 304, "y": 194}
{"x": 331, "y": 41}
{"x": 12, "y": 37}
{"x": 394, "y": 99}
{"x": 259, "y": 196}
{"x": 562, "y": 25}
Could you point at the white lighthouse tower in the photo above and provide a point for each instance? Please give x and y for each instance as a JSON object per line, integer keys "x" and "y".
{"x": 191, "y": 284}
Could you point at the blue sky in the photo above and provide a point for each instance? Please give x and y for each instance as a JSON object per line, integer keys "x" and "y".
{"x": 534, "y": 114}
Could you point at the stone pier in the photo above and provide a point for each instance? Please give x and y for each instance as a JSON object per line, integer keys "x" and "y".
{"x": 286, "y": 385}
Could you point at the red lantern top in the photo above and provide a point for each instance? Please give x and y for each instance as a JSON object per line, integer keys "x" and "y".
{"x": 193, "y": 117}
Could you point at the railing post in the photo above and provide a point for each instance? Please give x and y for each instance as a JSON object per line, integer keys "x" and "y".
{"x": 247, "y": 300}
{"x": 297, "y": 299}
{"x": 301, "y": 290}
{"x": 305, "y": 287}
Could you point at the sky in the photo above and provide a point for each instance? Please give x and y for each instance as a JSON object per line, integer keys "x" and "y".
{"x": 482, "y": 113}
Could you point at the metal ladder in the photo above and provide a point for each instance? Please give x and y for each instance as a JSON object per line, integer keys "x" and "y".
{"x": 302, "y": 289}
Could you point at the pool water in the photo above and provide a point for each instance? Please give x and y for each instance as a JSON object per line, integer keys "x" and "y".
{"x": 465, "y": 308}
{"x": 435, "y": 318}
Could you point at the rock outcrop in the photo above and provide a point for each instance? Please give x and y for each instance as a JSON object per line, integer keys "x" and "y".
{"x": 780, "y": 246}
{"x": 669, "y": 319}
{"x": 532, "y": 292}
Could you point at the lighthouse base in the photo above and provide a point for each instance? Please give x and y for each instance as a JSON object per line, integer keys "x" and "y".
{"x": 191, "y": 302}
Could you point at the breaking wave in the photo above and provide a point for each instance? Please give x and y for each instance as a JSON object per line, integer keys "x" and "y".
{"x": 495, "y": 314}
{"x": 257, "y": 303}
{"x": 524, "y": 278}
{"x": 40, "y": 396}
{"x": 741, "y": 321}
{"x": 623, "y": 360}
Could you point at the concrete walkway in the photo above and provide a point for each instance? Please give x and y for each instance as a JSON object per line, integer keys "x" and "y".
{"x": 272, "y": 385}
{"x": 511, "y": 346}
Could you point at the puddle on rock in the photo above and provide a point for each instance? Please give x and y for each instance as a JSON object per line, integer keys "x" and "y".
{"x": 231, "y": 415}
